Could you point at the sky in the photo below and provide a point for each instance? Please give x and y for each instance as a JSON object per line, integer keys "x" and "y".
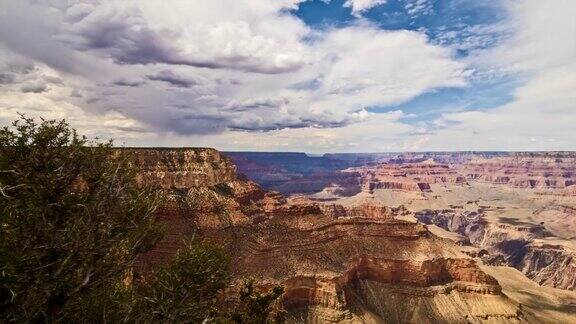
{"x": 312, "y": 76}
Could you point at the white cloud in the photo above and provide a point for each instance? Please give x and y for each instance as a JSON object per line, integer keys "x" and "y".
{"x": 256, "y": 77}
{"x": 187, "y": 68}
{"x": 370, "y": 67}
{"x": 419, "y": 7}
{"x": 189, "y": 33}
{"x": 543, "y": 36}
{"x": 542, "y": 52}
{"x": 55, "y": 104}
{"x": 380, "y": 132}
{"x": 358, "y": 6}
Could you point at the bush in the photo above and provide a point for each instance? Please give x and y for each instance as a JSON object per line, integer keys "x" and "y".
{"x": 257, "y": 307}
{"x": 186, "y": 289}
{"x": 72, "y": 219}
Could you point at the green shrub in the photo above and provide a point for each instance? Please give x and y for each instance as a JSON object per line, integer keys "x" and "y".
{"x": 72, "y": 219}
{"x": 186, "y": 289}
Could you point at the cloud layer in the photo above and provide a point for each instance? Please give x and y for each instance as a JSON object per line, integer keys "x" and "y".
{"x": 251, "y": 75}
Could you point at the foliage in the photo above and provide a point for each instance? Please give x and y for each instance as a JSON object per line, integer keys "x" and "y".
{"x": 224, "y": 189}
{"x": 257, "y": 307}
{"x": 186, "y": 289}
{"x": 72, "y": 219}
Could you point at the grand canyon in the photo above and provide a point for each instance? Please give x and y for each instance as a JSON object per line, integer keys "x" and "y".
{"x": 288, "y": 161}
{"x": 461, "y": 237}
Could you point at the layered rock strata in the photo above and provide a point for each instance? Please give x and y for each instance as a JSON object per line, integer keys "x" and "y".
{"x": 409, "y": 176}
{"x": 337, "y": 263}
{"x": 522, "y": 247}
{"x": 523, "y": 170}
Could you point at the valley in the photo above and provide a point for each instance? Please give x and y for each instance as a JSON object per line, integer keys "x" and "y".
{"x": 379, "y": 238}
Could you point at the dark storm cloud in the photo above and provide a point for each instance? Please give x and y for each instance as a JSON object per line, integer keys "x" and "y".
{"x": 12, "y": 71}
{"x": 128, "y": 83}
{"x": 126, "y": 44}
{"x": 255, "y": 104}
{"x": 132, "y": 129}
{"x": 34, "y": 88}
{"x": 7, "y": 78}
{"x": 31, "y": 31}
{"x": 173, "y": 79}
{"x": 93, "y": 100}
{"x": 198, "y": 124}
{"x": 260, "y": 126}
{"x": 53, "y": 80}
{"x": 21, "y": 68}
{"x": 268, "y": 127}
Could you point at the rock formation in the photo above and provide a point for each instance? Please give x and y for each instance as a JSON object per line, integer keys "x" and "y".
{"x": 549, "y": 177}
{"x": 521, "y": 247}
{"x": 338, "y": 263}
{"x": 524, "y": 170}
{"x": 410, "y": 176}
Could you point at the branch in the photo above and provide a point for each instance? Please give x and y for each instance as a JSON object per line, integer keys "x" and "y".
{"x": 7, "y": 188}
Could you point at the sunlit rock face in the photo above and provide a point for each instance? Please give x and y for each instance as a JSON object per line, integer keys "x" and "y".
{"x": 407, "y": 176}
{"x": 183, "y": 168}
{"x": 524, "y": 170}
{"x": 299, "y": 173}
{"x": 340, "y": 263}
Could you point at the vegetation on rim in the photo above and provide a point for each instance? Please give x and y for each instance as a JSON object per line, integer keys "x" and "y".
{"x": 72, "y": 224}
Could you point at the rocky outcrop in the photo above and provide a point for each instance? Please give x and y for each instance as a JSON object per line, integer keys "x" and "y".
{"x": 515, "y": 245}
{"x": 570, "y": 190}
{"x": 396, "y": 184}
{"x": 179, "y": 223}
{"x": 524, "y": 170}
{"x": 364, "y": 210}
{"x": 325, "y": 266}
{"x": 463, "y": 274}
{"x": 409, "y": 176}
{"x": 551, "y": 265}
{"x": 330, "y": 299}
{"x": 182, "y": 168}
{"x": 202, "y": 185}
{"x": 301, "y": 173}
{"x": 559, "y": 219}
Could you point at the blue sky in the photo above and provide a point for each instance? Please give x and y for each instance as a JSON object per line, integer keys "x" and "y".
{"x": 449, "y": 23}
{"x": 297, "y": 75}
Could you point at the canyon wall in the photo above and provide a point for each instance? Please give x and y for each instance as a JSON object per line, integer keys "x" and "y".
{"x": 524, "y": 170}
{"x": 521, "y": 247}
{"x": 337, "y": 263}
{"x": 549, "y": 178}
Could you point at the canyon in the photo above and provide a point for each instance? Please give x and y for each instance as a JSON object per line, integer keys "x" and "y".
{"x": 381, "y": 238}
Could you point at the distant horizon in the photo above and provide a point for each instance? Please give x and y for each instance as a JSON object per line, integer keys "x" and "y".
{"x": 324, "y": 153}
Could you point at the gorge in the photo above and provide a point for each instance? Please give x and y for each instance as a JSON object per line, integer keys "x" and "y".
{"x": 377, "y": 238}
